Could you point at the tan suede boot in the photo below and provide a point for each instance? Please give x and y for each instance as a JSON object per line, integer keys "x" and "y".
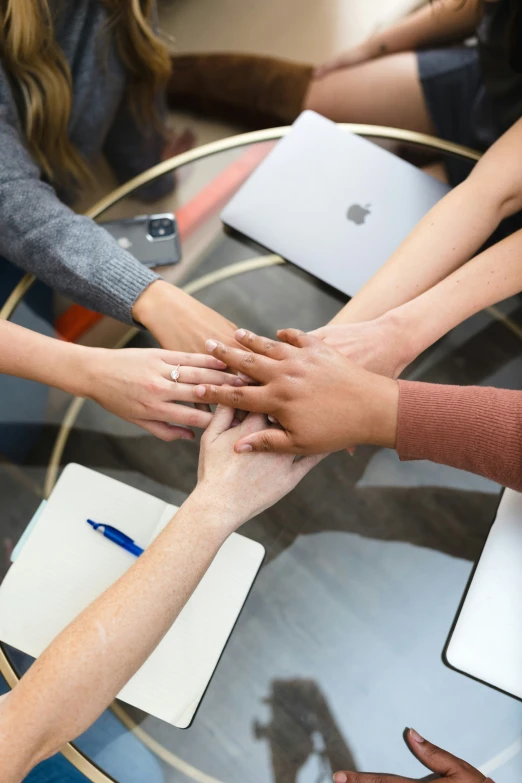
{"x": 253, "y": 90}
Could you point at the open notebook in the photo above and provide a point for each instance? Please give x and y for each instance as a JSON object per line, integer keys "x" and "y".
{"x": 64, "y": 565}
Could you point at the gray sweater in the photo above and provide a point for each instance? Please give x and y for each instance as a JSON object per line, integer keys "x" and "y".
{"x": 38, "y": 231}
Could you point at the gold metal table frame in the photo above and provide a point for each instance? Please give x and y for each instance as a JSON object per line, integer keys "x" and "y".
{"x": 78, "y": 759}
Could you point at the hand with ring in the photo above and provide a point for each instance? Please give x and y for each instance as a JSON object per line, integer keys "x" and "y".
{"x": 145, "y": 387}
{"x": 321, "y": 400}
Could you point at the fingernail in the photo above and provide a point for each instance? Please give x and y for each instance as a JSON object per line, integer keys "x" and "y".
{"x": 235, "y": 423}
{"x": 221, "y": 364}
{"x": 244, "y": 449}
{"x": 211, "y": 345}
{"x": 238, "y": 382}
{"x": 416, "y": 736}
{"x": 272, "y": 419}
{"x": 188, "y": 436}
{"x": 340, "y": 777}
{"x": 240, "y": 333}
{"x": 199, "y": 391}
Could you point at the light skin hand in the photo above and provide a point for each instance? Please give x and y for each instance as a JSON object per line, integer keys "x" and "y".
{"x": 239, "y": 485}
{"x": 445, "y": 240}
{"x": 178, "y": 321}
{"x": 381, "y": 346}
{"x": 443, "y": 21}
{"x": 136, "y": 384}
{"x": 388, "y": 343}
{"x": 322, "y": 401}
{"x": 354, "y": 56}
{"x": 437, "y": 760}
{"x": 76, "y": 678}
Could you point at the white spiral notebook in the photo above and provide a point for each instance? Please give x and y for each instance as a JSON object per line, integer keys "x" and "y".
{"x": 63, "y": 566}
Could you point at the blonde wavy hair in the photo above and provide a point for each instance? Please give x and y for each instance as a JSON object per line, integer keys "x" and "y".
{"x": 37, "y": 67}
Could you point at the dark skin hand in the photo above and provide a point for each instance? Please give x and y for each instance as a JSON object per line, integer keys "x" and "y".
{"x": 322, "y": 401}
{"x": 437, "y": 760}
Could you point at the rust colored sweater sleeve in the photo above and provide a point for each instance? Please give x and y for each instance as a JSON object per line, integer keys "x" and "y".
{"x": 475, "y": 428}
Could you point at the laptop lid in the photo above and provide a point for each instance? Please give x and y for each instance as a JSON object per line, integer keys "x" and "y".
{"x": 331, "y": 202}
{"x": 486, "y": 642}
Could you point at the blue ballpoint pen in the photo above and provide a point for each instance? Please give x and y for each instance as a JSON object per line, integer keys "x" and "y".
{"x": 117, "y": 537}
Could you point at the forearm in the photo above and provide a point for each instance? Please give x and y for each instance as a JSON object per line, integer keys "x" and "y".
{"x": 449, "y": 234}
{"x": 178, "y": 321}
{"x": 91, "y": 660}
{"x": 435, "y": 23}
{"x": 473, "y": 428}
{"x": 33, "y": 356}
{"x": 441, "y": 242}
{"x": 488, "y": 278}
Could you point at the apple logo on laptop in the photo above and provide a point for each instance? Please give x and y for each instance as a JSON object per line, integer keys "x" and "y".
{"x": 357, "y": 213}
{"x": 124, "y": 242}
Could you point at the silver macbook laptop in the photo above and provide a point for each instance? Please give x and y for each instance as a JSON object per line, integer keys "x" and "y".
{"x": 331, "y": 202}
{"x": 486, "y": 642}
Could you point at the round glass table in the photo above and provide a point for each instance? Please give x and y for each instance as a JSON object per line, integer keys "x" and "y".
{"x": 339, "y": 645}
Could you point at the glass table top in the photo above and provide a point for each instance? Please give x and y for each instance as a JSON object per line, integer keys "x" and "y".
{"x": 339, "y": 646}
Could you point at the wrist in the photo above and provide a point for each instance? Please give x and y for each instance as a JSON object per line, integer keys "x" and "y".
{"x": 168, "y": 313}
{"x": 218, "y": 519}
{"x": 383, "y": 412}
{"x": 414, "y": 329}
{"x": 74, "y": 372}
{"x": 93, "y": 371}
{"x": 376, "y": 46}
{"x": 148, "y": 306}
{"x": 402, "y": 335}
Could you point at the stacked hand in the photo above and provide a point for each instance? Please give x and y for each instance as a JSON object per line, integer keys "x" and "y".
{"x": 379, "y": 345}
{"x": 437, "y": 760}
{"x": 177, "y": 320}
{"x": 137, "y": 385}
{"x": 239, "y": 487}
{"x": 322, "y": 401}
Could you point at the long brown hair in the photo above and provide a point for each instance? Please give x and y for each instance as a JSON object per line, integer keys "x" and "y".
{"x": 36, "y": 65}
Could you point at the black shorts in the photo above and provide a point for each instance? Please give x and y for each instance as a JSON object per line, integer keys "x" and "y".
{"x": 451, "y": 82}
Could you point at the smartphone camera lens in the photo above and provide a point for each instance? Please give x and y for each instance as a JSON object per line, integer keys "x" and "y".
{"x": 159, "y": 228}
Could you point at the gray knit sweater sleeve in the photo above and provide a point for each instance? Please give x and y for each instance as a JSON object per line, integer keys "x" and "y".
{"x": 43, "y": 236}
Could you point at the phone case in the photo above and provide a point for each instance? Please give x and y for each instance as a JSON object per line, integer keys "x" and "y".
{"x": 132, "y": 234}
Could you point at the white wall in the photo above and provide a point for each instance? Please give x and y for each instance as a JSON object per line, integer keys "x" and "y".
{"x": 306, "y": 30}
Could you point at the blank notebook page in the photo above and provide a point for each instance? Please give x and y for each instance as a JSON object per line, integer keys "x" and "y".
{"x": 65, "y": 565}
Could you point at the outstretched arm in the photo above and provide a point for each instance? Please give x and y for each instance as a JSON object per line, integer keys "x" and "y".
{"x": 449, "y": 235}
{"x": 436, "y": 23}
{"x": 390, "y": 342}
{"x": 81, "y": 672}
{"x": 133, "y": 383}
{"x": 324, "y": 402}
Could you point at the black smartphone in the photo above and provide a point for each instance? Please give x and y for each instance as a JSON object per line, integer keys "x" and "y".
{"x": 152, "y": 239}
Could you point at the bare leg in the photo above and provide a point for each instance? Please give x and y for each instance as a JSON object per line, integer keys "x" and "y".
{"x": 386, "y": 91}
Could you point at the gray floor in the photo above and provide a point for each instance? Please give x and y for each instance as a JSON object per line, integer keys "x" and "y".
{"x": 339, "y": 645}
